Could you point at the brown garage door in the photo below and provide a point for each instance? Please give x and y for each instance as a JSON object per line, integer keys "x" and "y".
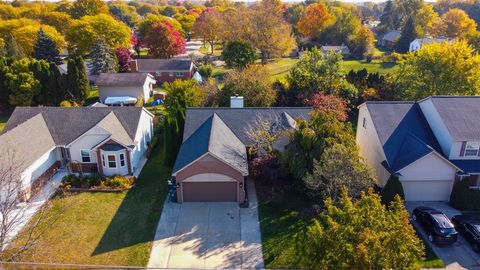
{"x": 209, "y": 191}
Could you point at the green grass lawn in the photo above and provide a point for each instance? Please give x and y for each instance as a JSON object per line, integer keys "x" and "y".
{"x": 3, "y": 120}
{"x": 217, "y": 49}
{"x": 283, "y": 223}
{"x": 106, "y": 228}
{"x": 382, "y": 68}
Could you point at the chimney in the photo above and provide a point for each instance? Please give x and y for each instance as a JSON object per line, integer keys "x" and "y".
{"x": 133, "y": 65}
{"x": 236, "y": 102}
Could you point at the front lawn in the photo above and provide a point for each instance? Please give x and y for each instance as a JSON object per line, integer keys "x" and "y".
{"x": 372, "y": 67}
{"x": 106, "y": 228}
{"x": 284, "y": 219}
{"x": 3, "y": 121}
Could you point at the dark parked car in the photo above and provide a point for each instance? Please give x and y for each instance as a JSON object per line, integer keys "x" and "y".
{"x": 469, "y": 228}
{"x": 439, "y": 228}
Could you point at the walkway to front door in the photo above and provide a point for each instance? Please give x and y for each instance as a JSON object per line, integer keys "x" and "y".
{"x": 208, "y": 235}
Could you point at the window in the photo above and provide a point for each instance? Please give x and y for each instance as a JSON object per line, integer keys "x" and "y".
{"x": 112, "y": 163}
{"x": 122, "y": 160}
{"x": 471, "y": 149}
{"x": 170, "y": 74}
{"x": 364, "y": 123}
{"x": 85, "y": 156}
{"x": 179, "y": 74}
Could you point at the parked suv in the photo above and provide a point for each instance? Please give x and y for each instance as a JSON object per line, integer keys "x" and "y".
{"x": 439, "y": 228}
{"x": 469, "y": 228}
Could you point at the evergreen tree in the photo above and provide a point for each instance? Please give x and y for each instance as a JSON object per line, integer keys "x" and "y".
{"x": 4, "y": 91}
{"x": 57, "y": 88}
{"x": 46, "y": 49}
{"x": 12, "y": 49}
{"x": 103, "y": 58}
{"x": 77, "y": 81}
{"x": 389, "y": 18}
{"x": 41, "y": 72}
{"x": 408, "y": 35}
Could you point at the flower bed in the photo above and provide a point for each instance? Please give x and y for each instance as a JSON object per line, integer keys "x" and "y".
{"x": 96, "y": 182}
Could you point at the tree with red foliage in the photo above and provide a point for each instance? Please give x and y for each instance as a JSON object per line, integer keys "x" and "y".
{"x": 123, "y": 59}
{"x": 329, "y": 104}
{"x": 164, "y": 41}
{"x": 136, "y": 44}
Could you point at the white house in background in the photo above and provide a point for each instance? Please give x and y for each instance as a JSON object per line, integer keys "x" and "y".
{"x": 418, "y": 43}
{"x": 430, "y": 144}
{"x": 133, "y": 85}
{"x": 107, "y": 140}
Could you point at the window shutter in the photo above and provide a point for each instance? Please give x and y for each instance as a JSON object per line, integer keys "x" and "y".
{"x": 462, "y": 150}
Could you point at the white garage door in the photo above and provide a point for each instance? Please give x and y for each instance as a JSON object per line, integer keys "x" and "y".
{"x": 427, "y": 190}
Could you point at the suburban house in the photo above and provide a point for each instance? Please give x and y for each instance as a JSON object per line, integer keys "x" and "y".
{"x": 418, "y": 43}
{"x": 165, "y": 70}
{"x": 133, "y": 85}
{"x": 107, "y": 140}
{"x": 389, "y": 39}
{"x": 344, "y": 50}
{"x": 429, "y": 145}
{"x": 212, "y": 162}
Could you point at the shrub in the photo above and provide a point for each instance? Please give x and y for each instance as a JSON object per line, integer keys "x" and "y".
{"x": 206, "y": 70}
{"x": 465, "y": 198}
{"x": 117, "y": 182}
{"x": 392, "y": 188}
{"x": 96, "y": 180}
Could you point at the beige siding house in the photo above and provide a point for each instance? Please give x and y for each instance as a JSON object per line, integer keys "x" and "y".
{"x": 136, "y": 85}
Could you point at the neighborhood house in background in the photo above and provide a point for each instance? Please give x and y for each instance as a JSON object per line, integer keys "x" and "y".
{"x": 134, "y": 85}
{"x": 389, "y": 39}
{"x": 418, "y": 43}
{"x": 107, "y": 140}
{"x": 165, "y": 70}
{"x": 212, "y": 162}
{"x": 344, "y": 50}
{"x": 429, "y": 145}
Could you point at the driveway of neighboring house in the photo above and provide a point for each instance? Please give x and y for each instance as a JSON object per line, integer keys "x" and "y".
{"x": 192, "y": 48}
{"x": 457, "y": 256}
{"x": 208, "y": 235}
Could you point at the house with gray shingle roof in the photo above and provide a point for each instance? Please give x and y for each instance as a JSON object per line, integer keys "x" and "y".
{"x": 212, "y": 161}
{"x": 429, "y": 145}
{"x": 107, "y": 140}
{"x": 122, "y": 85}
{"x": 165, "y": 70}
{"x": 389, "y": 39}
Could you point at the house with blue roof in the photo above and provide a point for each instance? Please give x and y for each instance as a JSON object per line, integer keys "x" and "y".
{"x": 428, "y": 144}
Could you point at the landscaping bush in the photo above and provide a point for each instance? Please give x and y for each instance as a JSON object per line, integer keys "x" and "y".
{"x": 206, "y": 70}
{"x": 392, "y": 188}
{"x": 94, "y": 181}
{"x": 465, "y": 198}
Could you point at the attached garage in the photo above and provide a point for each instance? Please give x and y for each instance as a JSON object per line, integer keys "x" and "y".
{"x": 432, "y": 190}
{"x": 210, "y": 188}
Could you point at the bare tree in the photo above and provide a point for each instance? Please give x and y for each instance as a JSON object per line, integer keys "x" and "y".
{"x": 20, "y": 213}
{"x": 266, "y": 131}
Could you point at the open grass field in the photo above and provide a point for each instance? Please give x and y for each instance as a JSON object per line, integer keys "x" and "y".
{"x": 106, "y": 228}
{"x": 3, "y": 120}
{"x": 283, "y": 224}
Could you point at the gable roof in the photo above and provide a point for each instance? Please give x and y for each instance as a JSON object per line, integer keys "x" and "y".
{"x": 122, "y": 79}
{"x": 403, "y": 132}
{"x": 23, "y": 145}
{"x": 67, "y": 124}
{"x": 460, "y": 114}
{"x": 392, "y": 35}
{"x": 240, "y": 120}
{"x": 151, "y": 65}
{"x": 214, "y": 137}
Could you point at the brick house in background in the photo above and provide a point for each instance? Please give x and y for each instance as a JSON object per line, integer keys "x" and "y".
{"x": 165, "y": 70}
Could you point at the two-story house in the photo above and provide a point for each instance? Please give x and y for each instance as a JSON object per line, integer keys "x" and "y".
{"x": 429, "y": 144}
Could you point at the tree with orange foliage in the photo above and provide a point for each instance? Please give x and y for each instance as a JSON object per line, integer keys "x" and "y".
{"x": 314, "y": 20}
{"x": 455, "y": 23}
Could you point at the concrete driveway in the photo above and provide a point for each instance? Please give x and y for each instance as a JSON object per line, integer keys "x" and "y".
{"x": 208, "y": 235}
{"x": 457, "y": 256}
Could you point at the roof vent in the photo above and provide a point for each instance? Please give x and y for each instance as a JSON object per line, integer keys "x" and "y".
{"x": 236, "y": 102}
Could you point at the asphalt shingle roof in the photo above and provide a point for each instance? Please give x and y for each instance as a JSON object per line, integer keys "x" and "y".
{"x": 403, "y": 132}
{"x": 240, "y": 120}
{"x": 214, "y": 137}
{"x": 152, "y": 65}
{"x": 122, "y": 79}
{"x": 67, "y": 124}
{"x": 461, "y": 116}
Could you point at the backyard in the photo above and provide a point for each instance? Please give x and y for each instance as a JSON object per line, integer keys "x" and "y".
{"x": 284, "y": 220}
{"x": 106, "y": 228}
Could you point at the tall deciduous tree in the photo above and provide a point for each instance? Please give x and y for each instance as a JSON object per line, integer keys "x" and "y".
{"x": 440, "y": 69}
{"x": 253, "y": 83}
{"x": 46, "y": 49}
{"x": 123, "y": 59}
{"x": 208, "y": 26}
{"x": 82, "y": 8}
{"x": 315, "y": 19}
{"x": 361, "y": 42}
{"x": 362, "y": 234}
{"x": 163, "y": 41}
{"x": 455, "y": 24}
{"x": 103, "y": 58}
